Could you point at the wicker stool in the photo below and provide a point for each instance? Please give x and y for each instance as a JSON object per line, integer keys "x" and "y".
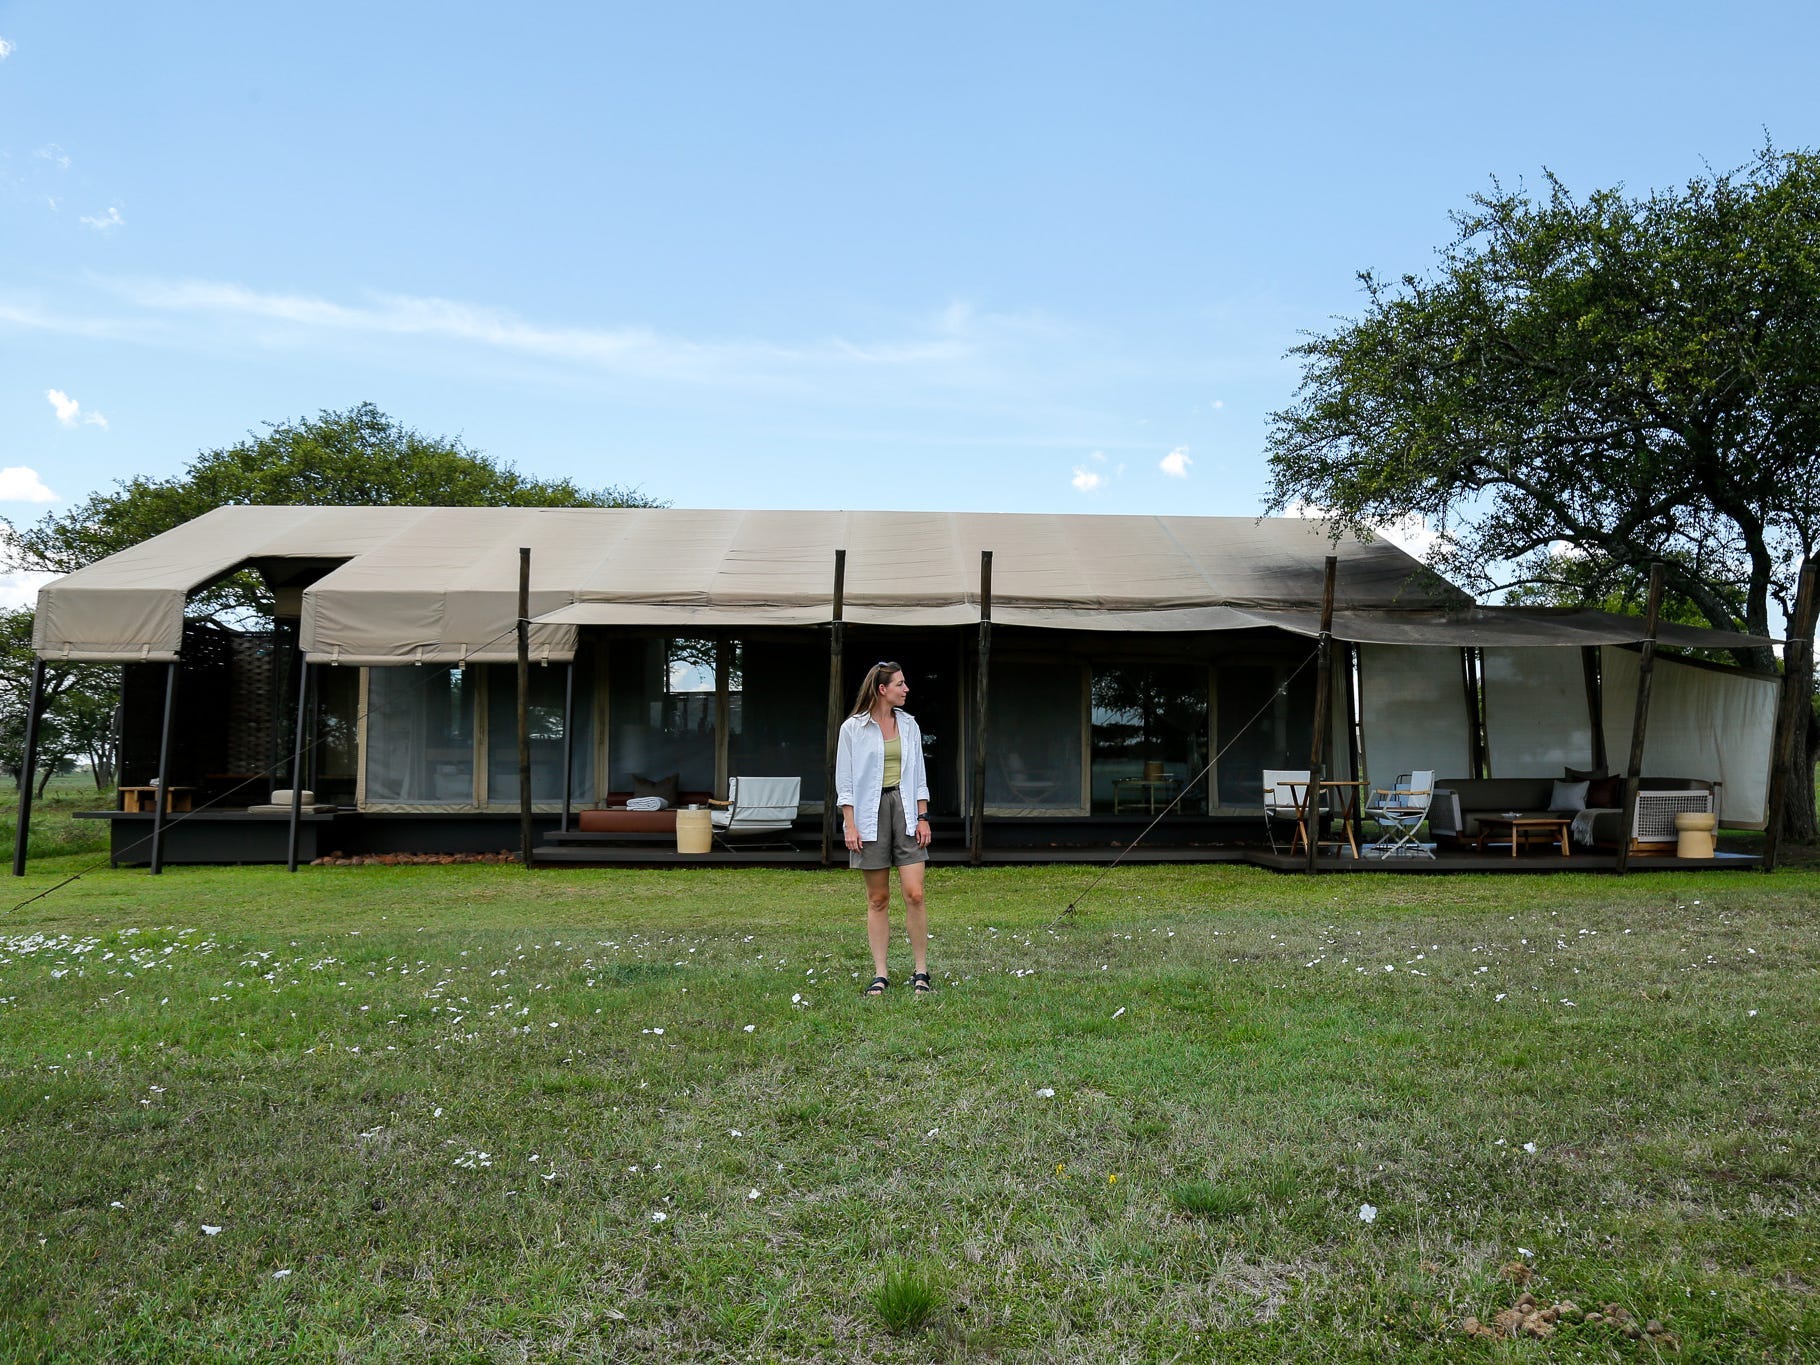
{"x": 1694, "y": 834}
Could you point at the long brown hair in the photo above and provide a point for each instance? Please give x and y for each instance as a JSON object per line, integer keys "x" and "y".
{"x": 876, "y": 678}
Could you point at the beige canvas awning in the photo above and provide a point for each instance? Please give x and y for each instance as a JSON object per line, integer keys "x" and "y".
{"x": 439, "y": 584}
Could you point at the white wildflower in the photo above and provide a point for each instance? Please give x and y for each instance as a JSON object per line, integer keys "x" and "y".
{"x": 1368, "y": 1213}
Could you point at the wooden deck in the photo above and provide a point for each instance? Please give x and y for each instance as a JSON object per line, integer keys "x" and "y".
{"x": 578, "y": 851}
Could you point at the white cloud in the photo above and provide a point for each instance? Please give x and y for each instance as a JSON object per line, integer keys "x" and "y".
{"x": 1409, "y": 534}
{"x": 1175, "y": 463}
{"x": 67, "y": 407}
{"x": 20, "y": 484}
{"x": 105, "y": 222}
{"x": 69, "y": 411}
{"x": 628, "y": 350}
{"x": 1086, "y": 480}
{"x": 54, "y": 154}
{"x": 1218, "y": 403}
{"x": 21, "y": 589}
{"x": 6, "y": 49}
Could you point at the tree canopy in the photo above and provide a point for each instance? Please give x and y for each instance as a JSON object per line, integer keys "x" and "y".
{"x": 359, "y": 457}
{"x": 1633, "y": 378}
{"x": 352, "y": 458}
{"x": 1584, "y": 386}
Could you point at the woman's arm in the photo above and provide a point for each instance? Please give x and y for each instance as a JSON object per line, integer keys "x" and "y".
{"x": 843, "y": 789}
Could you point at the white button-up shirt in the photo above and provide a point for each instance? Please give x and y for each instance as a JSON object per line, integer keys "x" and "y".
{"x": 859, "y": 770}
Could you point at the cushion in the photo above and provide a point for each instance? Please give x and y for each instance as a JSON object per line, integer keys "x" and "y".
{"x": 1584, "y": 774}
{"x": 1602, "y": 793}
{"x": 1569, "y": 798}
{"x": 669, "y": 788}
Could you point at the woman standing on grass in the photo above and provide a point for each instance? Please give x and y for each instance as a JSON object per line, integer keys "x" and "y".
{"x": 880, "y": 758}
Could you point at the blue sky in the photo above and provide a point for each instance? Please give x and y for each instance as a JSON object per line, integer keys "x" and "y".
{"x": 1007, "y": 257}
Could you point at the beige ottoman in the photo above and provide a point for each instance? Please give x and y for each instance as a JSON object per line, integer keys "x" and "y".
{"x": 1694, "y": 834}
{"x": 694, "y": 831}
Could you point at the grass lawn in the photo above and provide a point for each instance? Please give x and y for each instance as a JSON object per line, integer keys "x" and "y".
{"x": 466, "y": 1113}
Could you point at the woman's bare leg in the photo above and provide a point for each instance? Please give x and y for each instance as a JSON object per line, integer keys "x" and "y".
{"x": 916, "y": 918}
{"x": 878, "y": 916}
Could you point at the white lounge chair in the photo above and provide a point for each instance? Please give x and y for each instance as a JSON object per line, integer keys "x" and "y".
{"x": 756, "y": 807}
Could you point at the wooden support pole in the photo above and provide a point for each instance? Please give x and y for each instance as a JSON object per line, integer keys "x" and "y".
{"x": 1792, "y": 711}
{"x": 524, "y": 704}
{"x": 30, "y": 769}
{"x": 294, "y": 834}
{"x": 723, "y": 718}
{"x": 162, "y": 797}
{"x": 1646, "y": 668}
{"x": 1595, "y": 708}
{"x": 836, "y": 645}
{"x": 568, "y": 745}
{"x": 1323, "y": 704}
{"x": 978, "y": 823}
{"x": 1472, "y": 676}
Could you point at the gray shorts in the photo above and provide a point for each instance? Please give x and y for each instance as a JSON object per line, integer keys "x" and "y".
{"x": 892, "y": 848}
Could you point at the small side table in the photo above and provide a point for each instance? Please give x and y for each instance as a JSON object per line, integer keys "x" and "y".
{"x": 1525, "y": 829}
{"x": 144, "y": 800}
{"x": 1146, "y": 790}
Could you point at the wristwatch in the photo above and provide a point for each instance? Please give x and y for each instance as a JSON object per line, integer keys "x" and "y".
{"x": 922, "y": 815}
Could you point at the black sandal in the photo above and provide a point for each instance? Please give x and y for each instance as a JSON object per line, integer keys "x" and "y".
{"x": 919, "y": 983}
{"x": 878, "y": 986}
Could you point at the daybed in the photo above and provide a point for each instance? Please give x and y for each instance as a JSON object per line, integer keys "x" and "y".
{"x": 616, "y": 819}
{"x": 1460, "y": 801}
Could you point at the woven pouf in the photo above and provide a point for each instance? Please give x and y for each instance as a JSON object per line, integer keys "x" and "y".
{"x": 1694, "y": 834}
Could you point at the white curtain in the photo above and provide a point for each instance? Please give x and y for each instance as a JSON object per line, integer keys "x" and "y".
{"x": 1536, "y": 720}
{"x": 419, "y": 737}
{"x": 1412, "y": 710}
{"x": 1703, "y": 722}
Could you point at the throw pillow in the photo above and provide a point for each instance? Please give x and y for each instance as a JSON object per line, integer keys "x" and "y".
{"x": 670, "y": 788}
{"x": 1602, "y": 793}
{"x": 1584, "y": 774}
{"x": 1568, "y": 798}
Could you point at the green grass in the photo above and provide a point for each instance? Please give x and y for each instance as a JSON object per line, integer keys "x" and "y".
{"x": 55, "y": 830}
{"x": 434, "y": 1117}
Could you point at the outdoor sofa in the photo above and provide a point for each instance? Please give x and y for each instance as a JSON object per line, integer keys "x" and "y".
{"x": 1459, "y": 802}
{"x": 612, "y": 817}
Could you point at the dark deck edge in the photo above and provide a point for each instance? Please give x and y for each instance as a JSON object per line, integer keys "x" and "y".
{"x": 648, "y": 856}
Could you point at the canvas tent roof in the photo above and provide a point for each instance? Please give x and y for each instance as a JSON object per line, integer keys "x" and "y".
{"x": 439, "y": 584}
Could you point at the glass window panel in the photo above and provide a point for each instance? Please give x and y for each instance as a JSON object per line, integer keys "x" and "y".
{"x": 420, "y": 736}
{"x": 779, "y": 713}
{"x": 1258, "y": 730}
{"x": 337, "y": 756}
{"x": 660, "y": 707}
{"x": 1033, "y": 735}
{"x": 1149, "y": 738}
{"x": 546, "y": 708}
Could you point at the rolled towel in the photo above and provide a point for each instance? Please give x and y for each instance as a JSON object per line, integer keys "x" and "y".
{"x": 647, "y": 803}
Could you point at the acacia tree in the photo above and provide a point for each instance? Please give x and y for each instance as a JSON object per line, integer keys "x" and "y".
{"x": 359, "y": 457}
{"x": 1634, "y": 379}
